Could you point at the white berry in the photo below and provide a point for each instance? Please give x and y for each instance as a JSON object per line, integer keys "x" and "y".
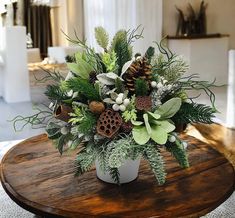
{"x": 154, "y": 84}
{"x": 118, "y": 100}
{"x": 64, "y": 130}
{"x": 171, "y": 138}
{"x": 122, "y": 107}
{"x": 126, "y": 101}
{"x": 159, "y": 85}
{"x": 120, "y": 95}
{"x": 116, "y": 107}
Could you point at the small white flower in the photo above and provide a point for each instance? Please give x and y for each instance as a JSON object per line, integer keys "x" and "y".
{"x": 116, "y": 107}
{"x": 169, "y": 87}
{"x": 119, "y": 100}
{"x": 171, "y": 138}
{"x": 154, "y": 84}
{"x": 126, "y": 102}
{"x": 122, "y": 107}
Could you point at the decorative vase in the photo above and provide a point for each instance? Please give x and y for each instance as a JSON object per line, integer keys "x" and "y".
{"x": 128, "y": 172}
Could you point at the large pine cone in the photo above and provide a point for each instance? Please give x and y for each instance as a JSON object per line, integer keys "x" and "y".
{"x": 139, "y": 69}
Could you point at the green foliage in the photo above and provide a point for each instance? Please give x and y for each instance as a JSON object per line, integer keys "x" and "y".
{"x": 70, "y": 59}
{"x": 156, "y": 125}
{"x": 84, "y": 88}
{"x": 109, "y": 60}
{"x": 153, "y": 156}
{"x": 119, "y": 85}
{"x": 53, "y": 130}
{"x": 121, "y": 47}
{"x": 114, "y": 173}
{"x": 141, "y": 87}
{"x": 130, "y": 113}
{"x": 150, "y": 53}
{"x": 102, "y": 37}
{"x": 55, "y": 93}
{"x": 84, "y": 161}
{"x": 83, "y": 65}
{"x": 194, "y": 113}
{"x": 178, "y": 152}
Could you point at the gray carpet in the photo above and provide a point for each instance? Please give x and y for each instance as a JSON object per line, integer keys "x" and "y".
{"x": 9, "y": 209}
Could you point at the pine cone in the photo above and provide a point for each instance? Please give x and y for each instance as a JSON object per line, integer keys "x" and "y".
{"x": 139, "y": 69}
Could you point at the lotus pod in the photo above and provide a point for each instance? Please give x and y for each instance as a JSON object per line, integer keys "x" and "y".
{"x": 109, "y": 123}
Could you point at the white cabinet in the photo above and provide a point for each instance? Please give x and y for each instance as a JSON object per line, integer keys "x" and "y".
{"x": 207, "y": 57}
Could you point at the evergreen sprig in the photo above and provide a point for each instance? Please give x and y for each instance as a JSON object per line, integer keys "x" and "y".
{"x": 121, "y": 47}
{"x": 102, "y": 37}
{"x": 115, "y": 175}
{"x": 153, "y": 156}
{"x": 55, "y": 93}
{"x": 149, "y": 53}
{"x": 88, "y": 123}
{"x": 194, "y": 113}
{"x": 141, "y": 87}
{"x": 178, "y": 152}
{"x": 84, "y": 88}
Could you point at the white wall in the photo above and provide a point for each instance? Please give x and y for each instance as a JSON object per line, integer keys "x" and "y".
{"x": 220, "y": 16}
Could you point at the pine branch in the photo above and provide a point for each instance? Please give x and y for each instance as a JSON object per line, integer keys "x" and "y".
{"x": 121, "y": 48}
{"x": 119, "y": 86}
{"x": 87, "y": 124}
{"x": 194, "y": 113}
{"x": 179, "y": 153}
{"x": 84, "y": 161}
{"x": 141, "y": 87}
{"x": 84, "y": 88}
{"x": 102, "y": 37}
{"x": 153, "y": 156}
{"x": 114, "y": 173}
{"x": 54, "y": 93}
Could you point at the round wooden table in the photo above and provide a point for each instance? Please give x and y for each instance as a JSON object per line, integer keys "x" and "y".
{"x": 37, "y": 178}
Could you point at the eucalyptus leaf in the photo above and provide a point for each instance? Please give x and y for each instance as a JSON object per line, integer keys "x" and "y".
{"x": 159, "y": 135}
{"x": 53, "y": 130}
{"x": 112, "y": 75}
{"x": 140, "y": 135}
{"x": 126, "y": 66}
{"x": 169, "y": 108}
{"x": 105, "y": 80}
{"x": 147, "y": 125}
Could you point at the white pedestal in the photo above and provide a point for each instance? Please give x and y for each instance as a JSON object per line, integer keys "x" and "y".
{"x": 231, "y": 91}
{"x": 207, "y": 57}
{"x": 15, "y": 71}
{"x": 1, "y": 74}
{"x": 59, "y": 53}
{"x": 33, "y": 55}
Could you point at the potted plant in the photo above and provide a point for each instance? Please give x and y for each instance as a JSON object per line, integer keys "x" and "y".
{"x": 116, "y": 107}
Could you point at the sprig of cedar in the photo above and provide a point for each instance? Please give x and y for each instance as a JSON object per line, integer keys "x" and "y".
{"x": 194, "y": 113}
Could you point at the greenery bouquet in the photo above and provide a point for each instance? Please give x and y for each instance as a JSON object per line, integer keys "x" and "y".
{"x": 115, "y": 105}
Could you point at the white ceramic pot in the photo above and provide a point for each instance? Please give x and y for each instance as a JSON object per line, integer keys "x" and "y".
{"x": 128, "y": 172}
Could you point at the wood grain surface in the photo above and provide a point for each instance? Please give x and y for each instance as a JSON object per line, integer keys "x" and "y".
{"x": 40, "y": 180}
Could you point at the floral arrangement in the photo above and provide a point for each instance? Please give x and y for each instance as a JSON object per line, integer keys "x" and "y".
{"x": 115, "y": 106}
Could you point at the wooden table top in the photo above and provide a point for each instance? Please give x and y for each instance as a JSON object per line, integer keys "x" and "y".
{"x": 40, "y": 180}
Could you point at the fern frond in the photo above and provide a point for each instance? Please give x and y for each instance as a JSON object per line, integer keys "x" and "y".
{"x": 178, "y": 152}
{"x": 194, "y": 113}
{"x": 153, "y": 156}
{"x": 102, "y": 37}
